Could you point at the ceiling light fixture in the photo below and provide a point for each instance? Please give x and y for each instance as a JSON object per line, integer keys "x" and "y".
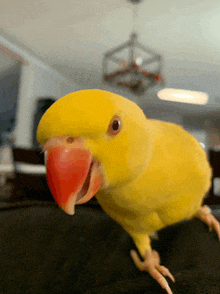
{"x": 183, "y": 96}
{"x": 132, "y": 65}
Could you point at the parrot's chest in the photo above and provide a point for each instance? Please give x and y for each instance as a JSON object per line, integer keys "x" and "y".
{"x": 141, "y": 196}
{"x": 133, "y": 213}
{"x": 134, "y": 206}
{"x": 150, "y": 202}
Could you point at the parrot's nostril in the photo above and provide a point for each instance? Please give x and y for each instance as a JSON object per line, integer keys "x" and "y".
{"x": 70, "y": 140}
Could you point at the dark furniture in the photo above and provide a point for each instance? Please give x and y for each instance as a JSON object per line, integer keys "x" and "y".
{"x": 214, "y": 159}
{"x": 29, "y": 180}
{"x": 43, "y": 250}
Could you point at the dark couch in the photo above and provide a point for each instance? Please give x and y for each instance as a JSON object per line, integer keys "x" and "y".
{"x": 43, "y": 250}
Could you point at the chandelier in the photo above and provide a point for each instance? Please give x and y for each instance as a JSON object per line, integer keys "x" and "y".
{"x": 132, "y": 65}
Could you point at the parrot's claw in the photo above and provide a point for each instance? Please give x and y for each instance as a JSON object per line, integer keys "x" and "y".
{"x": 152, "y": 265}
{"x": 205, "y": 214}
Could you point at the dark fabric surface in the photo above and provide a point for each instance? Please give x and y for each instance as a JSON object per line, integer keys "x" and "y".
{"x": 43, "y": 250}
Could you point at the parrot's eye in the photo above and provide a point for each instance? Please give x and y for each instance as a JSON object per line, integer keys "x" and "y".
{"x": 115, "y": 126}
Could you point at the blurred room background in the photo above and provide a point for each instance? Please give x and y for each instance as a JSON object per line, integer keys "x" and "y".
{"x": 51, "y": 48}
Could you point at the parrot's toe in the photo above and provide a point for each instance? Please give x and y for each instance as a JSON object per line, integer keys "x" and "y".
{"x": 205, "y": 214}
{"x": 151, "y": 264}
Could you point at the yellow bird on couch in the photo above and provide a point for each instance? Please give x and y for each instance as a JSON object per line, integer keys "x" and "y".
{"x": 146, "y": 174}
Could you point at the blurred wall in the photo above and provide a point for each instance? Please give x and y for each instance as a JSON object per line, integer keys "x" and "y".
{"x": 37, "y": 80}
{"x": 9, "y": 85}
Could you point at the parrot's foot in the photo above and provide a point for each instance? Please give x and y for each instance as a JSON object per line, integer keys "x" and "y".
{"x": 205, "y": 214}
{"x": 151, "y": 264}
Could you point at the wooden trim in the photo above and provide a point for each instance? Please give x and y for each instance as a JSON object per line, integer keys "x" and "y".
{"x": 13, "y": 55}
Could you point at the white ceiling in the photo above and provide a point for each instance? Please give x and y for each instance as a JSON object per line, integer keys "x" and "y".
{"x": 72, "y": 36}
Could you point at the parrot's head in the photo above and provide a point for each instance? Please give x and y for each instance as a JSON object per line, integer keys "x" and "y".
{"x": 92, "y": 140}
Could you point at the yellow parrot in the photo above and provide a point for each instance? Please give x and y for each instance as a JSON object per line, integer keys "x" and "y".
{"x": 146, "y": 174}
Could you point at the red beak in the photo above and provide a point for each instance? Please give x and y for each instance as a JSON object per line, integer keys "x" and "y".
{"x": 73, "y": 176}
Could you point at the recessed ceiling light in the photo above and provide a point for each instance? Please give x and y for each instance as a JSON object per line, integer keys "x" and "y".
{"x": 183, "y": 96}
